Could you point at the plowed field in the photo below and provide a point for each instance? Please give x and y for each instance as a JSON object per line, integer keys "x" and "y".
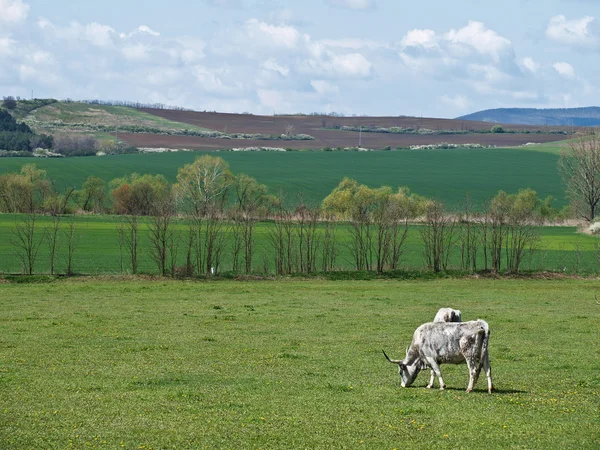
{"x": 314, "y": 126}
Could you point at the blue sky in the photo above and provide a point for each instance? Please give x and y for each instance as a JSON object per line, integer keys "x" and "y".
{"x": 376, "y": 57}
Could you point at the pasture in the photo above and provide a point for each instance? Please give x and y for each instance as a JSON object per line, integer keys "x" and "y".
{"x": 108, "y": 363}
{"x": 447, "y": 175}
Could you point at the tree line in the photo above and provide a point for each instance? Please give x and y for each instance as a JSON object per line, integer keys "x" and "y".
{"x": 220, "y": 210}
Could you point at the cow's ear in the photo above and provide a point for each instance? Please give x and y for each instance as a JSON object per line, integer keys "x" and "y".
{"x": 402, "y": 366}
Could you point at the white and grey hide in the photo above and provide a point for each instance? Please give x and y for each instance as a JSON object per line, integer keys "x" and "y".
{"x": 448, "y": 315}
{"x": 436, "y": 343}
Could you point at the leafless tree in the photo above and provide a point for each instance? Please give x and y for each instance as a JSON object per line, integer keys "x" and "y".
{"x": 27, "y": 240}
{"x": 290, "y": 130}
{"x": 72, "y": 242}
{"x": 469, "y": 236}
{"x": 162, "y": 235}
{"x": 121, "y": 241}
{"x": 52, "y": 241}
{"x": 579, "y": 165}
{"x": 129, "y": 231}
{"x": 328, "y": 246}
{"x": 438, "y": 235}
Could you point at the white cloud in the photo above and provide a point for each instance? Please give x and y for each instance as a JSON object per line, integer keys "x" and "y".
{"x": 6, "y": 46}
{"x": 420, "y": 38}
{"x": 325, "y": 88}
{"x": 99, "y": 35}
{"x": 485, "y": 41}
{"x": 13, "y": 11}
{"x": 344, "y": 65}
{"x": 141, "y": 30}
{"x": 262, "y": 33}
{"x": 355, "y": 5}
{"x": 574, "y": 32}
{"x": 272, "y": 65}
{"x": 136, "y": 52}
{"x": 565, "y": 69}
{"x": 529, "y": 64}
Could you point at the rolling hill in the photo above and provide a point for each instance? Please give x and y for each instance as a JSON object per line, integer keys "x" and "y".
{"x": 178, "y": 129}
{"x": 566, "y": 117}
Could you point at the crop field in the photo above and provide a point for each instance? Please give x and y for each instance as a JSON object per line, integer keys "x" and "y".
{"x": 319, "y": 128}
{"x": 560, "y": 249}
{"x": 103, "y": 363}
{"x": 447, "y": 175}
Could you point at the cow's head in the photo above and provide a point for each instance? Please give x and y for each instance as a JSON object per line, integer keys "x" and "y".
{"x": 408, "y": 373}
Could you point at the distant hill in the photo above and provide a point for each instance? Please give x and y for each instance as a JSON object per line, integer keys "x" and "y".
{"x": 579, "y": 117}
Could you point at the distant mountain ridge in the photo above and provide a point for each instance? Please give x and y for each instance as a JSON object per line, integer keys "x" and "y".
{"x": 579, "y": 117}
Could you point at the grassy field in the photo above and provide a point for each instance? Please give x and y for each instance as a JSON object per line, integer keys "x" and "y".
{"x": 560, "y": 249}
{"x": 158, "y": 364}
{"x": 47, "y": 117}
{"x": 444, "y": 174}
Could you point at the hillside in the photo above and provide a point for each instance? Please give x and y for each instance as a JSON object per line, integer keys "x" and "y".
{"x": 578, "y": 117}
{"x": 178, "y": 129}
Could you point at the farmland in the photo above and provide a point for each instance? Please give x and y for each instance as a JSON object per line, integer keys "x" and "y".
{"x": 560, "y": 249}
{"x": 318, "y": 127}
{"x": 285, "y": 364}
{"x": 444, "y": 174}
{"x": 161, "y": 128}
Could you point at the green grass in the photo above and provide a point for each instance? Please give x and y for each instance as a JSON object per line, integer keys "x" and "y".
{"x": 447, "y": 175}
{"x": 95, "y": 115}
{"x": 140, "y": 364}
{"x": 561, "y": 249}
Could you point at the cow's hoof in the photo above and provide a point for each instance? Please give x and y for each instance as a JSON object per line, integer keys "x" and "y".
{"x": 428, "y": 387}
{"x": 469, "y": 389}
{"x": 442, "y": 388}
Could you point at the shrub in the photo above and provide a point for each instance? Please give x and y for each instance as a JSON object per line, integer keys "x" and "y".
{"x": 497, "y": 129}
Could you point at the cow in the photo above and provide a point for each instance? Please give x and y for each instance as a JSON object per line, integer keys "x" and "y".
{"x": 448, "y": 315}
{"x": 445, "y": 315}
{"x": 436, "y": 343}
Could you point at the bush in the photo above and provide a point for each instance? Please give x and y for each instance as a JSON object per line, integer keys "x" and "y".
{"x": 497, "y": 129}
{"x": 9, "y": 102}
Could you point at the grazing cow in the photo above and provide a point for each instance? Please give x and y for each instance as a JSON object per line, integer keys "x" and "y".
{"x": 436, "y": 343}
{"x": 445, "y": 315}
{"x": 448, "y": 315}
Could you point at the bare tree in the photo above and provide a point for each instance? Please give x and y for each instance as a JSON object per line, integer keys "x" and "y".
{"x": 52, "y": 240}
{"x": 579, "y": 165}
{"x": 72, "y": 242}
{"x": 129, "y": 231}
{"x": 469, "y": 236}
{"x": 121, "y": 240}
{"x": 161, "y": 235}
{"x": 328, "y": 246}
{"x": 27, "y": 240}
{"x": 290, "y": 130}
{"x": 438, "y": 235}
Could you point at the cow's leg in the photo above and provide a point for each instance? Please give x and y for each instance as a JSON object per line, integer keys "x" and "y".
{"x": 470, "y": 347}
{"x": 472, "y": 365}
{"x": 431, "y": 380}
{"x": 435, "y": 369}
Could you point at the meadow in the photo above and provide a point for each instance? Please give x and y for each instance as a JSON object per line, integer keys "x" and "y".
{"x": 560, "y": 249}
{"x": 109, "y": 363}
{"x": 447, "y": 175}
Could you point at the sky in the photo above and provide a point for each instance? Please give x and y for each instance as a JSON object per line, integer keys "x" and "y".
{"x": 435, "y": 58}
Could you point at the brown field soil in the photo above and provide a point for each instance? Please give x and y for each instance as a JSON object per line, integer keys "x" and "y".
{"x": 313, "y": 125}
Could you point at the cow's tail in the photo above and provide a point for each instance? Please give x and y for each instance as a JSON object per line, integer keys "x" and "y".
{"x": 393, "y": 361}
{"x": 486, "y": 340}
